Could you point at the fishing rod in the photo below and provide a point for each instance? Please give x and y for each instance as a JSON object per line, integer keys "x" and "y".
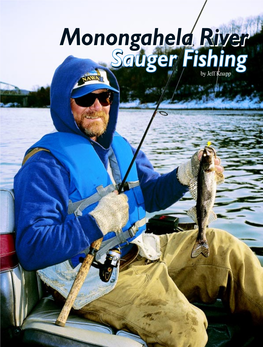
{"x": 87, "y": 262}
{"x": 121, "y": 186}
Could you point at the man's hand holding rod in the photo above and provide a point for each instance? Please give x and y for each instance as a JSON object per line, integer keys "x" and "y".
{"x": 111, "y": 214}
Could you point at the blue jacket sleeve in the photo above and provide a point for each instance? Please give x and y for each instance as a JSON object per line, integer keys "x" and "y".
{"x": 159, "y": 191}
{"x": 45, "y": 235}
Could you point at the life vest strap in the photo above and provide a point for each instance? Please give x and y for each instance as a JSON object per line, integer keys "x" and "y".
{"x": 79, "y": 206}
{"x": 31, "y": 153}
{"x": 117, "y": 240}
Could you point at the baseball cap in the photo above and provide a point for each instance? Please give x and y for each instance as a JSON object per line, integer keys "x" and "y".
{"x": 92, "y": 80}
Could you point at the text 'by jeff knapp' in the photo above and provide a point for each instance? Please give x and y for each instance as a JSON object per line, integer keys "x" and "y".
{"x": 215, "y": 74}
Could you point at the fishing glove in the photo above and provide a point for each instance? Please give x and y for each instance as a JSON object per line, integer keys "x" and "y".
{"x": 111, "y": 213}
{"x": 188, "y": 170}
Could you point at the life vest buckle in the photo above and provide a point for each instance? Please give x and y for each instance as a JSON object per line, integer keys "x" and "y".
{"x": 124, "y": 188}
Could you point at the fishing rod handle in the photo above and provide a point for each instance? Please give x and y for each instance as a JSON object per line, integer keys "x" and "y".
{"x": 79, "y": 280}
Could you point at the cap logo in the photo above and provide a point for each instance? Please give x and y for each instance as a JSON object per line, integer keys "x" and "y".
{"x": 90, "y": 81}
{"x": 90, "y": 76}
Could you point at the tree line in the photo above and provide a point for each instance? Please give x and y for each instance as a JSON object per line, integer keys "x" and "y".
{"x": 136, "y": 83}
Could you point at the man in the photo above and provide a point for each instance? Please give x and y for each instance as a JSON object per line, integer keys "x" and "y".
{"x": 66, "y": 198}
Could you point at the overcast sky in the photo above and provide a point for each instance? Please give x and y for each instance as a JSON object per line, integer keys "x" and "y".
{"x": 31, "y": 30}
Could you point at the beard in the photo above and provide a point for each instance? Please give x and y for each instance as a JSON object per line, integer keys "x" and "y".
{"x": 97, "y": 127}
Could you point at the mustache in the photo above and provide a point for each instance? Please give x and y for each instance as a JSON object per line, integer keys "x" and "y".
{"x": 94, "y": 114}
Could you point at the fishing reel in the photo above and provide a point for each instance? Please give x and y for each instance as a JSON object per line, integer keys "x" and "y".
{"x": 112, "y": 260}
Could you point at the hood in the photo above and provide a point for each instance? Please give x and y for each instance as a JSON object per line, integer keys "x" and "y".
{"x": 64, "y": 79}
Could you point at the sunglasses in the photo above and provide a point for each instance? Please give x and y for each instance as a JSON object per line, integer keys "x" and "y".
{"x": 105, "y": 99}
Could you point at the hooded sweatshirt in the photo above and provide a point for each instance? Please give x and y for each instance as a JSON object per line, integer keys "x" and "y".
{"x": 45, "y": 235}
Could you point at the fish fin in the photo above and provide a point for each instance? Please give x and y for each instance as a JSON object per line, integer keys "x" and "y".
{"x": 192, "y": 213}
{"x": 219, "y": 178}
{"x": 193, "y": 188}
{"x": 212, "y": 217}
{"x": 200, "y": 248}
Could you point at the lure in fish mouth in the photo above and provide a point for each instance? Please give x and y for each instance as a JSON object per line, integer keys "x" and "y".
{"x": 203, "y": 190}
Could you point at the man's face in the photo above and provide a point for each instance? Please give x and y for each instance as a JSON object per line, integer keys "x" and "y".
{"x": 92, "y": 120}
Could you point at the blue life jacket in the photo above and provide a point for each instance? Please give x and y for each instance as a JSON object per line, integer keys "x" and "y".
{"x": 90, "y": 181}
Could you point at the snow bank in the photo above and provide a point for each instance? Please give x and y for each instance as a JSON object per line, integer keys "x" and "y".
{"x": 206, "y": 103}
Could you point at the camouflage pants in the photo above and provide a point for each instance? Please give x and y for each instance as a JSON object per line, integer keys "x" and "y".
{"x": 154, "y": 299}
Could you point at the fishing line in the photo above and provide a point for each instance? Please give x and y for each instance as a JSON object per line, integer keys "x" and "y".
{"x": 182, "y": 72}
{"x": 216, "y": 87}
{"x": 121, "y": 186}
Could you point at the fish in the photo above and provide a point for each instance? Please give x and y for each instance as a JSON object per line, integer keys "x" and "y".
{"x": 203, "y": 189}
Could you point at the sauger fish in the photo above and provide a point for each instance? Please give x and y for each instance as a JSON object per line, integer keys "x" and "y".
{"x": 203, "y": 190}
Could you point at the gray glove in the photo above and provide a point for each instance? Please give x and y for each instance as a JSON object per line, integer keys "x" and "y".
{"x": 188, "y": 170}
{"x": 111, "y": 213}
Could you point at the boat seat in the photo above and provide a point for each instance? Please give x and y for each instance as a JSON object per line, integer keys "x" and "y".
{"x": 28, "y": 316}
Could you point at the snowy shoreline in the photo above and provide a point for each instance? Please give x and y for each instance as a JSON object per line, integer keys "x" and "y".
{"x": 206, "y": 103}
{"x": 239, "y": 103}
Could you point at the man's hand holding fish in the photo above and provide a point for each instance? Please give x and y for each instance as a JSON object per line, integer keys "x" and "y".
{"x": 202, "y": 174}
{"x": 189, "y": 169}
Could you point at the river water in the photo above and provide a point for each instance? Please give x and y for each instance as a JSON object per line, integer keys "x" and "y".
{"x": 236, "y": 135}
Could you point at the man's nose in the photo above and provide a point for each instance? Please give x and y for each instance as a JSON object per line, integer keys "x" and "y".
{"x": 96, "y": 105}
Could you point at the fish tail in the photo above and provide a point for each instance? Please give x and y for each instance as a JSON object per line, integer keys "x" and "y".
{"x": 200, "y": 247}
